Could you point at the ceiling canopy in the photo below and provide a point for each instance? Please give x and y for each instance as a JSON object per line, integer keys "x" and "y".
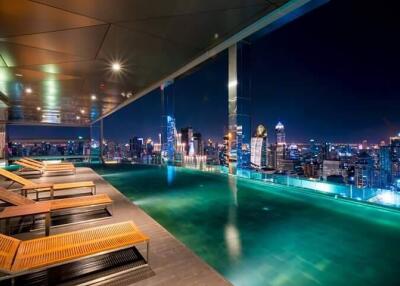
{"x": 56, "y": 56}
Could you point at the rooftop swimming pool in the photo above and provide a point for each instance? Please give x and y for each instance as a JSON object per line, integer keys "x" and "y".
{"x": 257, "y": 233}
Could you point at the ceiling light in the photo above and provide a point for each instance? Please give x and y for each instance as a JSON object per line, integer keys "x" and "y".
{"x": 28, "y": 90}
{"x": 78, "y": 117}
{"x": 93, "y": 97}
{"x": 116, "y": 66}
{"x": 19, "y": 75}
{"x": 38, "y": 108}
{"x": 82, "y": 111}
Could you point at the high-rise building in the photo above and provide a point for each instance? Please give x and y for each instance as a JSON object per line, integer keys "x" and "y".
{"x": 135, "y": 147}
{"x": 364, "y": 171}
{"x": 197, "y": 144}
{"x": 259, "y": 148}
{"x": 385, "y": 166}
{"x": 331, "y": 168}
{"x": 186, "y": 138}
{"x": 280, "y": 134}
{"x": 280, "y": 145}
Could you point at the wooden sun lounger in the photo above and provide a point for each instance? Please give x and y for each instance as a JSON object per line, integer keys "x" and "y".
{"x": 24, "y": 206}
{"x": 24, "y": 257}
{"x": 28, "y": 166}
{"x": 28, "y": 186}
{"x": 47, "y": 164}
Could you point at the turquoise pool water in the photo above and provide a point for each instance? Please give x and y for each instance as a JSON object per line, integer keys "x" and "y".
{"x": 259, "y": 234}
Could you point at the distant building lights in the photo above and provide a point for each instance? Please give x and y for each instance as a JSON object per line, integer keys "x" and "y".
{"x": 28, "y": 90}
{"x": 232, "y": 83}
{"x": 116, "y": 67}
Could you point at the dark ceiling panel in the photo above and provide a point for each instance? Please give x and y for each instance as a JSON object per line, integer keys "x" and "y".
{"x": 199, "y": 30}
{"x": 66, "y": 41}
{"x": 127, "y": 10}
{"x": 22, "y": 17}
{"x": 18, "y": 55}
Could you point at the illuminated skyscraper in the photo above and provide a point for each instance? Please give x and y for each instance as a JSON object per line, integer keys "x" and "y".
{"x": 364, "y": 171}
{"x": 385, "y": 166}
{"x": 259, "y": 148}
{"x": 280, "y": 133}
{"x": 186, "y": 138}
{"x": 280, "y": 145}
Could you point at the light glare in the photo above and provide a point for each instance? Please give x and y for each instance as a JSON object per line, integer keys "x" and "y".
{"x": 116, "y": 66}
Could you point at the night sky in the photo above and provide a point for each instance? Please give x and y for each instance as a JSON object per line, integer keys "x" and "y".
{"x": 331, "y": 75}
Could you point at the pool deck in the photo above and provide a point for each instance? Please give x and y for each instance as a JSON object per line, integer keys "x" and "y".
{"x": 171, "y": 262}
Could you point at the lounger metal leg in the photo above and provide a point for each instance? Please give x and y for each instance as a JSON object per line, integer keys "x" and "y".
{"x": 8, "y": 230}
{"x": 47, "y": 223}
{"x": 147, "y": 252}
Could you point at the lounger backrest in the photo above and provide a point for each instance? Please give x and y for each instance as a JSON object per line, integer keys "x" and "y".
{"x": 28, "y": 165}
{"x": 14, "y": 177}
{"x": 13, "y": 198}
{"x": 8, "y": 250}
{"x": 32, "y": 161}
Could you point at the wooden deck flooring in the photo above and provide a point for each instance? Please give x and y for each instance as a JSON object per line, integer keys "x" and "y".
{"x": 171, "y": 263}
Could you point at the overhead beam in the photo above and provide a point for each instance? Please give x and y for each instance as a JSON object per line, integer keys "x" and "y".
{"x": 35, "y": 123}
{"x": 294, "y": 7}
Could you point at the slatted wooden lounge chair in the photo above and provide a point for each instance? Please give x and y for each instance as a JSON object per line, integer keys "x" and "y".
{"x": 46, "y": 163}
{"x": 27, "y": 166}
{"x": 53, "y": 205}
{"x": 24, "y": 257}
{"x": 57, "y": 204}
{"x": 28, "y": 186}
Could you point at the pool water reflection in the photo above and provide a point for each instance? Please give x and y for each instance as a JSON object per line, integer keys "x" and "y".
{"x": 259, "y": 234}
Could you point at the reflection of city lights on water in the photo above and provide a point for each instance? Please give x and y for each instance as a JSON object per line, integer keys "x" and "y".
{"x": 232, "y": 239}
{"x": 195, "y": 161}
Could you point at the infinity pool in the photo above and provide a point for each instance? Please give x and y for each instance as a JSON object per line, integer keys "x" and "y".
{"x": 259, "y": 234}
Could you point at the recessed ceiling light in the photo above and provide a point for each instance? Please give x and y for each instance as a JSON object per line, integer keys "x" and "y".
{"x": 116, "y": 66}
{"x": 38, "y": 108}
{"x": 28, "y": 90}
{"x": 78, "y": 117}
{"x": 93, "y": 97}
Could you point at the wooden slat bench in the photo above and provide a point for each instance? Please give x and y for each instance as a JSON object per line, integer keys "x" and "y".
{"x": 24, "y": 257}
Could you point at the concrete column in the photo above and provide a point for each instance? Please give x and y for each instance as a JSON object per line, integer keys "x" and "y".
{"x": 238, "y": 108}
{"x": 101, "y": 147}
